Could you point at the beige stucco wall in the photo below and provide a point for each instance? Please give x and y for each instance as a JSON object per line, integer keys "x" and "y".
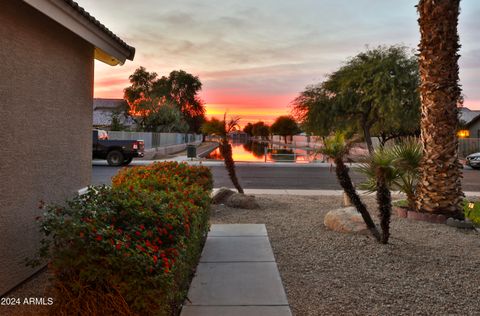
{"x": 46, "y": 95}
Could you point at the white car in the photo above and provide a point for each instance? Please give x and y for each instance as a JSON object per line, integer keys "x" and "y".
{"x": 473, "y": 160}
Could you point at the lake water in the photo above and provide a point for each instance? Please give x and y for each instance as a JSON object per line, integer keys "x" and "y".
{"x": 255, "y": 152}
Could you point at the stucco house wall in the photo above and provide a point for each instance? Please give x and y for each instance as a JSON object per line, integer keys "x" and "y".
{"x": 46, "y": 95}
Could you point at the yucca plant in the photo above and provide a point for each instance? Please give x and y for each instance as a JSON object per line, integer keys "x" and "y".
{"x": 222, "y": 129}
{"x": 381, "y": 173}
{"x": 336, "y": 147}
{"x": 407, "y": 157}
{"x": 404, "y": 157}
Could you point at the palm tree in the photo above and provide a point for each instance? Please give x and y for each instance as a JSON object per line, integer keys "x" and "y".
{"x": 222, "y": 129}
{"x": 381, "y": 177}
{"x": 439, "y": 188}
{"x": 404, "y": 157}
{"x": 336, "y": 148}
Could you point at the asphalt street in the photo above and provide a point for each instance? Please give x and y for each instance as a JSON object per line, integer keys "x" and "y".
{"x": 280, "y": 177}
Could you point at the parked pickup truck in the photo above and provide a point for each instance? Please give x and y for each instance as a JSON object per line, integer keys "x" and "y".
{"x": 117, "y": 152}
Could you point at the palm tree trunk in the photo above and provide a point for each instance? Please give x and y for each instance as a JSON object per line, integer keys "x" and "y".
{"x": 439, "y": 188}
{"x": 384, "y": 201}
{"x": 368, "y": 138}
{"x": 226, "y": 151}
{"x": 345, "y": 181}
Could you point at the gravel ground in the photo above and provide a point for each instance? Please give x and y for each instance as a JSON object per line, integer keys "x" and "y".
{"x": 427, "y": 269}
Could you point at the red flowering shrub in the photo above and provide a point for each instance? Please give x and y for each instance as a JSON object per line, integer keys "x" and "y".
{"x": 129, "y": 249}
{"x": 163, "y": 176}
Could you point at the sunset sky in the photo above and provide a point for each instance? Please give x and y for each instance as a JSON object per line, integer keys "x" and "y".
{"x": 254, "y": 57}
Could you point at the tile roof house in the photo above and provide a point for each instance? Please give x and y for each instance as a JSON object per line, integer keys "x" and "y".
{"x": 103, "y": 109}
{"x": 47, "y": 53}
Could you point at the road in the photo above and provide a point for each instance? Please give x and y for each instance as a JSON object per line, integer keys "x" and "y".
{"x": 280, "y": 177}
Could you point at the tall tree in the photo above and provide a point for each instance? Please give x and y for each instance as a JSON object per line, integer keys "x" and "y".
{"x": 179, "y": 88}
{"x": 166, "y": 118}
{"x": 260, "y": 129}
{"x": 222, "y": 128}
{"x": 248, "y": 129}
{"x": 285, "y": 126}
{"x": 182, "y": 88}
{"x": 374, "y": 93}
{"x": 141, "y": 83}
{"x": 440, "y": 188}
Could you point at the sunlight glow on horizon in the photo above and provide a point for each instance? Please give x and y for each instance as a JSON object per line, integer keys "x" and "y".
{"x": 253, "y": 58}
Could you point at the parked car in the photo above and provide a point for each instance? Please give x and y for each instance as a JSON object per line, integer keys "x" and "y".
{"x": 473, "y": 160}
{"x": 116, "y": 152}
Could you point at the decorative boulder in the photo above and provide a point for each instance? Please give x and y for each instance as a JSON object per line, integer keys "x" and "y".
{"x": 238, "y": 200}
{"x": 221, "y": 196}
{"x": 345, "y": 220}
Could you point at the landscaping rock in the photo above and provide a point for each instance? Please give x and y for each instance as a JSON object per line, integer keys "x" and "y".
{"x": 221, "y": 196}
{"x": 345, "y": 220}
{"x": 459, "y": 224}
{"x": 238, "y": 200}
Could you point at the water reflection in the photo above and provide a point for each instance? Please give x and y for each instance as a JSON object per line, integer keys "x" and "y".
{"x": 255, "y": 152}
{"x": 257, "y": 149}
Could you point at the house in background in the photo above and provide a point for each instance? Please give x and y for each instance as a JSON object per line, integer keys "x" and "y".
{"x": 105, "y": 109}
{"x": 473, "y": 127}
{"x": 470, "y": 120}
{"x": 47, "y": 52}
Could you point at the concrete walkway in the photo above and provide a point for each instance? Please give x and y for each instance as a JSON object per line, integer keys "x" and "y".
{"x": 237, "y": 275}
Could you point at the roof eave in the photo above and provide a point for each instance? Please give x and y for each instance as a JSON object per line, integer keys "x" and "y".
{"x": 107, "y": 49}
{"x": 473, "y": 121}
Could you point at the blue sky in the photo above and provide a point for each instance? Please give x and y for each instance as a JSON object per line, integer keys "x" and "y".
{"x": 253, "y": 57}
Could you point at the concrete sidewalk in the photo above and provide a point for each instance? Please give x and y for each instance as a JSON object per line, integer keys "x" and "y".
{"x": 237, "y": 275}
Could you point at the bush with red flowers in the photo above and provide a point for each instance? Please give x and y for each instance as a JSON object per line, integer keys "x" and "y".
{"x": 132, "y": 248}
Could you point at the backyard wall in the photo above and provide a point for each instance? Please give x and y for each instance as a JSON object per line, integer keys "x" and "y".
{"x": 46, "y": 95}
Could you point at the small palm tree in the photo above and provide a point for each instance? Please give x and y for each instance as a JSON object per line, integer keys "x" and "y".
{"x": 222, "y": 129}
{"x": 407, "y": 157}
{"x": 381, "y": 174}
{"x": 336, "y": 148}
{"x": 404, "y": 157}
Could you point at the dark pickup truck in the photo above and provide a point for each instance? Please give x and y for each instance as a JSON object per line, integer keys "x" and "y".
{"x": 117, "y": 152}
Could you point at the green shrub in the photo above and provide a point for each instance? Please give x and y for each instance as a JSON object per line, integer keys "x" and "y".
{"x": 400, "y": 203}
{"x": 129, "y": 249}
{"x": 472, "y": 211}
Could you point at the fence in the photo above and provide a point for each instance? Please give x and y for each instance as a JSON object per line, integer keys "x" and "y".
{"x": 155, "y": 140}
{"x": 299, "y": 140}
{"x": 467, "y": 146}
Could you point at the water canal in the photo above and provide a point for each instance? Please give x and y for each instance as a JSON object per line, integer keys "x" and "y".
{"x": 250, "y": 151}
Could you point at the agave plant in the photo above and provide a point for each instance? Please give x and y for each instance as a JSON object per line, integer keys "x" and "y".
{"x": 336, "y": 147}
